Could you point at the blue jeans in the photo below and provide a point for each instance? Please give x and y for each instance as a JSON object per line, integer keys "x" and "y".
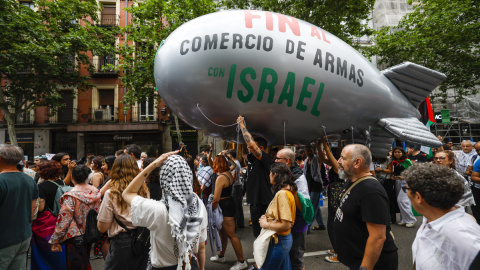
{"x": 315, "y": 198}
{"x": 277, "y": 255}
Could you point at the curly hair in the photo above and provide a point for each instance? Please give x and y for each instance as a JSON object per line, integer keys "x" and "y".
{"x": 124, "y": 169}
{"x": 450, "y": 155}
{"x": 80, "y": 173}
{"x": 440, "y": 186}
{"x": 404, "y": 154}
{"x": 283, "y": 177}
{"x": 49, "y": 170}
{"x": 220, "y": 164}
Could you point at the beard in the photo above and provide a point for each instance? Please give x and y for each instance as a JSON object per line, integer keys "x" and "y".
{"x": 342, "y": 174}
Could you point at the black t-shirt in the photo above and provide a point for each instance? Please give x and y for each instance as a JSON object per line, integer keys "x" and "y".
{"x": 397, "y": 168}
{"x": 418, "y": 158}
{"x": 366, "y": 202}
{"x": 259, "y": 190}
{"x": 313, "y": 186}
{"x": 47, "y": 191}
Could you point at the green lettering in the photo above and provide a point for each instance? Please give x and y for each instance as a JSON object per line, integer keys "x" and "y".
{"x": 231, "y": 80}
{"x": 270, "y": 86}
{"x": 315, "y": 111}
{"x": 248, "y": 96}
{"x": 288, "y": 90}
{"x": 304, "y": 94}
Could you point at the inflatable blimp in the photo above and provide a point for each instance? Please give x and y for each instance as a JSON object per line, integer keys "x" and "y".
{"x": 292, "y": 81}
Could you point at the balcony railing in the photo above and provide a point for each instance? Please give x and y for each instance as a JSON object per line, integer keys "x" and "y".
{"x": 109, "y": 20}
{"x": 105, "y": 65}
{"x": 64, "y": 116}
{"x": 139, "y": 115}
{"x": 102, "y": 115}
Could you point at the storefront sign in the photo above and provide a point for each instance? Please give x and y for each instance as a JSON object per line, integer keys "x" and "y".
{"x": 123, "y": 137}
{"x": 445, "y": 116}
{"x": 22, "y": 138}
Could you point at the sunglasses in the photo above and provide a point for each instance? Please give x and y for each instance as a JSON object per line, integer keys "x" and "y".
{"x": 280, "y": 158}
{"x": 405, "y": 189}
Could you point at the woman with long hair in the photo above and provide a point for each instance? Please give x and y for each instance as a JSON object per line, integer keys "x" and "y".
{"x": 222, "y": 197}
{"x": 178, "y": 222}
{"x": 446, "y": 158}
{"x": 114, "y": 210}
{"x": 71, "y": 225}
{"x": 279, "y": 217}
{"x": 44, "y": 226}
{"x": 400, "y": 163}
{"x": 97, "y": 177}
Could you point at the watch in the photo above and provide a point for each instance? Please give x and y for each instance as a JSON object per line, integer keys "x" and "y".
{"x": 362, "y": 268}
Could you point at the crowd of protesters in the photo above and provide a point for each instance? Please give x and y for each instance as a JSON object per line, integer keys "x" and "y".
{"x": 175, "y": 199}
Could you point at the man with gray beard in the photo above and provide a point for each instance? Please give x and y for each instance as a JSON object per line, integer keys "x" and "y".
{"x": 362, "y": 221}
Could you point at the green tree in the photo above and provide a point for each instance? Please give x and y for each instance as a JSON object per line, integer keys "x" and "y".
{"x": 440, "y": 34}
{"x": 346, "y": 19}
{"x": 152, "y": 22}
{"x": 43, "y": 50}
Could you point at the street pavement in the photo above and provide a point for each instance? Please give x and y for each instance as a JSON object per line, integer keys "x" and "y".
{"x": 317, "y": 244}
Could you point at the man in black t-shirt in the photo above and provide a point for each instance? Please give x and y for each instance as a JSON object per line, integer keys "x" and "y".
{"x": 362, "y": 221}
{"x": 415, "y": 155}
{"x": 259, "y": 190}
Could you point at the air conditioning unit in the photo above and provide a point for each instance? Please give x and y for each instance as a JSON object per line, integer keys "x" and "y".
{"x": 101, "y": 115}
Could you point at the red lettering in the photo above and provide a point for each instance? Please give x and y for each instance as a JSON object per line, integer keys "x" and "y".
{"x": 269, "y": 16}
{"x": 325, "y": 37}
{"x": 249, "y": 17}
{"x": 315, "y": 33}
{"x": 293, "y": 24}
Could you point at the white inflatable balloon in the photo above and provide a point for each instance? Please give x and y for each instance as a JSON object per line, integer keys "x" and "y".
{"x": 286, "y": 76}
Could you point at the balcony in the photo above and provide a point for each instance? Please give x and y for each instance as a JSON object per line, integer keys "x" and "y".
{"x": 103, "y": 115}
{"x": 64, "y": 116}
{"x": 105, "y": 66}
{"x": 109, "y": 20}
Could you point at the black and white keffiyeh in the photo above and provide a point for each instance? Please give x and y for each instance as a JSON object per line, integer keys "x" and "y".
{"x": 183, "y": 207}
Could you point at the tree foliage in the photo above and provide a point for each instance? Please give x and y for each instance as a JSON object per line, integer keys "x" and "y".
{"x": 440, "y": 34}
{"x": 346, "y": 19}
{"x": 42, "y": 51}
{"x": 152, "y": 22}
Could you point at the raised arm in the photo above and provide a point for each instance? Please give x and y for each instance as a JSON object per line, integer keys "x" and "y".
{"x": 333, "y": 162}
{"x": 229, "y": 157}
{"x": 132, "y": 189}
{"x": 251, "y": 144}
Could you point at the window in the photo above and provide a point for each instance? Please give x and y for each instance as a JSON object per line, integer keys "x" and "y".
{"x": 147, "y": 109}
{"x": 31, "y": 5}
{"x": 109, "y": 16}
{"x": 107, "y": 104}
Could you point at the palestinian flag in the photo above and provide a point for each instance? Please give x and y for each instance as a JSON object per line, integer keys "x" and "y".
{"x": 430, "y": 122}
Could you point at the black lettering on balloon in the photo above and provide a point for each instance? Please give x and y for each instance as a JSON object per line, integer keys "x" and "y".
{"x": 237, "y": 39}
{"x": 342, "y": 69}
{"x": 318, "y": 58}
{"x": 330, "y": 61}
{"x": 290, "y": 46}
{"x": 182, "y": 51}
{"x": 300, "y": 50}
{"x": 196, "y": 44}
{"x": 224, "y": 40}
{"x": 268, "y": 47}
{"x": 360, "y": 77}
{"x": 259, "y": 42}
{"x": 352, "y": 73}
{"x": 247, "y": 42}
{"x": 210, "y": 43}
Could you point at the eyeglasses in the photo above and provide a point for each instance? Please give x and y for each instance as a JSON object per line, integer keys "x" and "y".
{"x": 280, "y": 158}
{"x": 441, "y": 158}
{"x": 405, "y": 189}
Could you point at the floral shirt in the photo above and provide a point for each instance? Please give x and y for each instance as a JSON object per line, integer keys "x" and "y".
{"x": 76, "y": 203}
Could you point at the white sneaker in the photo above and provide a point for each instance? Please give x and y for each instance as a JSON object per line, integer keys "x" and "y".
{"x": 410, "y": 225}
{"x": 218, "y": 259}
{"x": 239, "y": 266}
{"x": 401, "y": 224}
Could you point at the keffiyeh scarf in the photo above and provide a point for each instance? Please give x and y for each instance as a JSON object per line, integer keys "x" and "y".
{"x": 183, "y": 207}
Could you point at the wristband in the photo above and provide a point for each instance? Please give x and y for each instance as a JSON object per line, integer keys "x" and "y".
{"x": 362, "y": 268}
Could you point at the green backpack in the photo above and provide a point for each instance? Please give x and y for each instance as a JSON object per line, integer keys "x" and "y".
{"x": 60, "y": 191}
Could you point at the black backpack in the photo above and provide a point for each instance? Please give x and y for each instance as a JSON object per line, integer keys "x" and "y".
{"x": 92, "y": 234}
{"x": 140, "y": 238}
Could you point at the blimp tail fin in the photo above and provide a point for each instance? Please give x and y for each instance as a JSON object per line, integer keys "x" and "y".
{"x": 409, "y": 130}
{"x": 414, "y": 81}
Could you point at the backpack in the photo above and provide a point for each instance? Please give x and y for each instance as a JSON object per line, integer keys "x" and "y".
{"x": 92, "y": 234}
{"x": 140, "y": 238}
{"x": 60, "y": 191}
